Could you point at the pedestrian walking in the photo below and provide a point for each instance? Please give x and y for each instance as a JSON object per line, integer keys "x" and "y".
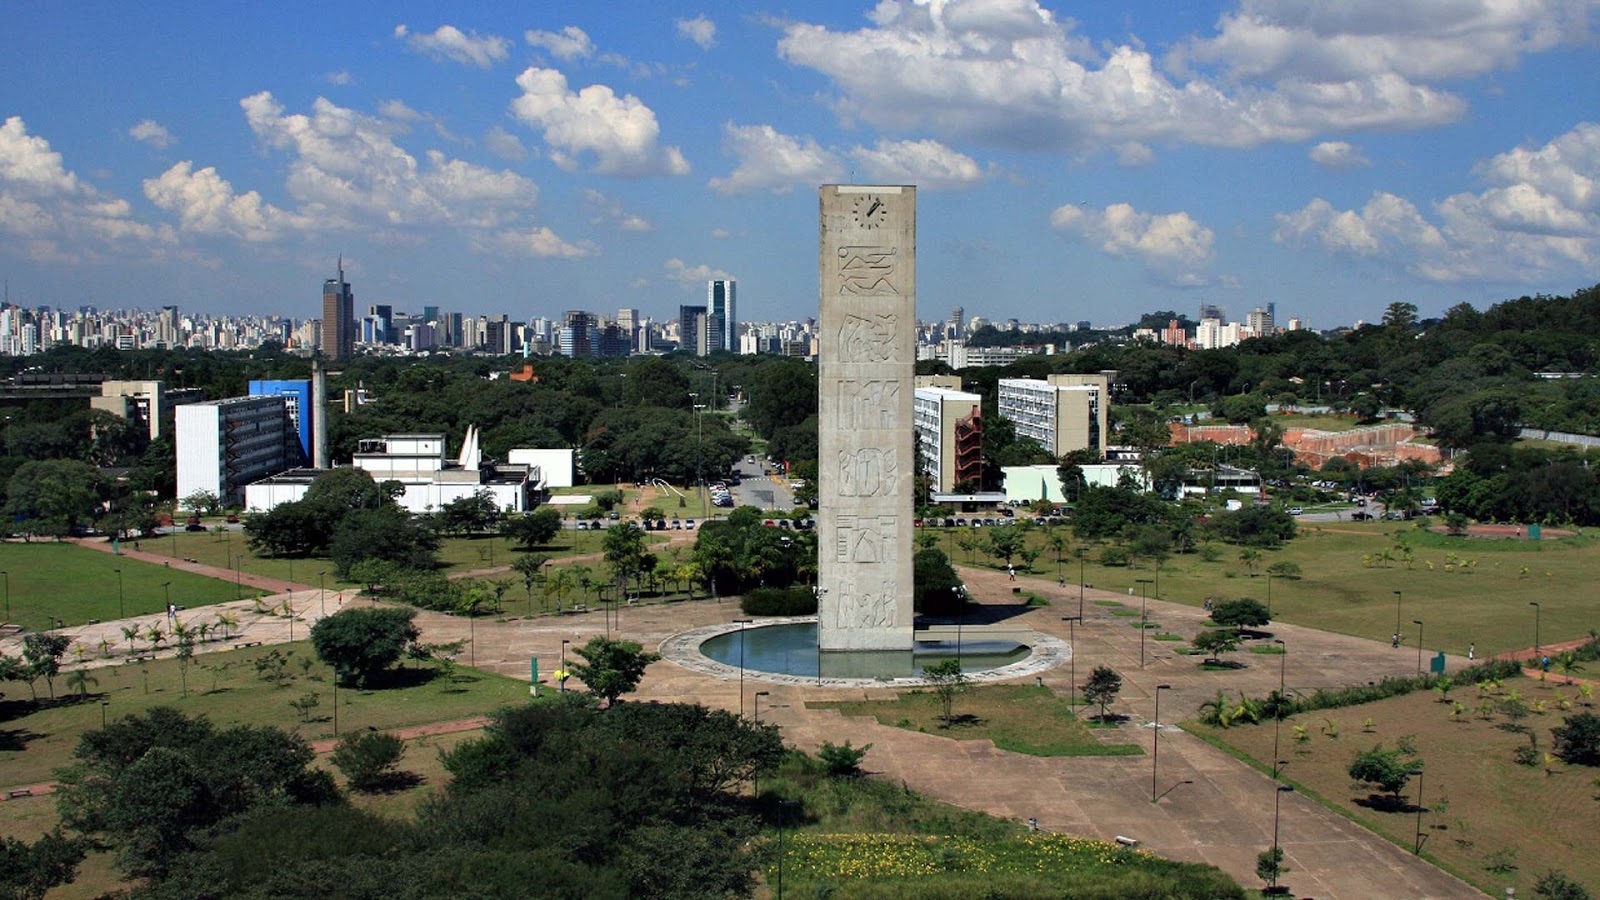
{"x": 1472, "y": 652}
{"x": 1395, "y": 641}
{"x": 1012, "y": 571}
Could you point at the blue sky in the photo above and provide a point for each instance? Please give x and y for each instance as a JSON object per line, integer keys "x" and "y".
{"x": 1075, "y": 161}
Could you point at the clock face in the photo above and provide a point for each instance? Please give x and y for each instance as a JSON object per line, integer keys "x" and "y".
{"x": 870, "y": 211}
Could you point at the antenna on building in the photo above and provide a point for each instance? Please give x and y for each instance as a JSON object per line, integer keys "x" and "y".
{"x": 341, "y": 269}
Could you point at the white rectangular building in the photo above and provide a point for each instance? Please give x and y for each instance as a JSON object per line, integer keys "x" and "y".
{"x": 949, "y": 429}
{"x": 1065, "y": 413}
{"x": 223, "y": 445}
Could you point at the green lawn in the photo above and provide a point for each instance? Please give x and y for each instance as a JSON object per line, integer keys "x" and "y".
{"x": 229, "y": 550}
{"x": 1478, "y": 805}
{"x": 1464, "y": 590}
{"x": 225, "y": 687}
{"x": 1017, "y": 717}
{"x": 71, "y": 583}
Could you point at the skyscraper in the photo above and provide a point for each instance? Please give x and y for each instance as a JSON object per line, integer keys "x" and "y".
{"x": 722, "y": 318}
{"x": 690, "y": 320}
{"x": 338, "y": 317}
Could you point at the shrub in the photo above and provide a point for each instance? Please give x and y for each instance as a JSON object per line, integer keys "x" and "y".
{"x": 1554, "y": 885}
{"x": 368, "y": 759}
{"x": 1577, "y": 739}
{"x": 767, "y": 601}
{"x": 1114, "y": 556}
{"x": 842, "y": 761}
{"x": 1387, "y": 770}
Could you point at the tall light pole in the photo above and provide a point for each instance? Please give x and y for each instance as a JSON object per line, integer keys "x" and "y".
{"x": 166, "y": 587}
{"x": 1418, "y": 623}
{"x": 8, "y": 593}
{"x": 1277, "y": 710}
{"x": 1072, "y": 661}
{"x": 1277, "y": 864}
{"x": 1536, "y": 611}
{"x": 1269, "y": 594}
{"x": 741, "y": 623}
{"x": 961, "y": 616}
{"x": 1155, "y": 755}
{"x": 322, "y": 592}
{"x": 1143, "y": 616}
{"x": 562, "y": 680}
{"x": 1398, "y": 595}
{"x": 1082, "y": 551}
{"x": 1416, "y": 849}
{"x": 122, "y": 606}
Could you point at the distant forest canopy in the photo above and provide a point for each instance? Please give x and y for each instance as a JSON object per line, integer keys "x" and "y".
{"x": 1471, "y": 376}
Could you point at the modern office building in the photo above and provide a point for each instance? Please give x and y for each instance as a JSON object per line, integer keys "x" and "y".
{"x": 722, "y": 320}
{"x": 142, "y": 402}
{"x": 1064, "y": 413}
{"x": 578, "y": 334}
{"x": 418, "y": 462}
{"x": 223, "y": 445}
{"x": 949, "y": 427}
{"x": 296, "y": 394}
{"x": 338, "y": 317}
{"x": 691, "y": 327}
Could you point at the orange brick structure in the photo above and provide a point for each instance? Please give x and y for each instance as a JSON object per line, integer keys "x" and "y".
{"x": 1378, "y": 445}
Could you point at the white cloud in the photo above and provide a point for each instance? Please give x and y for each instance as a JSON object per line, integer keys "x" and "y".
{"x": 620, "y": 133}
{"x": 1356, "y": 39}
{"x": 1170, "y": 243}
{"x": 1134, "y": 154}
{"x": 505, "y": 145}
{"x": 1008, "y": 73}
{"x": 450, "y": 42}
{"x": 683, "y": 273}
{"x": 1540, "y": 220}
{"x": 609, "y": 210}
{"x": 206, "y": 203}
{"x": 773, "y": 161}
{"x": 399, "y": 111}
{"x": 151, "y": 132}
{"x": 699, "y": 29}
{"x": 51, "y": 212}
{"x": 347, "y": 172}
{"x": 538, "y": 241}
{"x": 567, "y": 44}
{"x": 1338, "y": 155}
{"x": 927, "y": 164}
{"x": 721, "y": 233}
{"x": 340, "y": 77}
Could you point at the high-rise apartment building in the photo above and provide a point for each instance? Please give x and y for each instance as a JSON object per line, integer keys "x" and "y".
{"x": 1065, "y": 413}
{"x": 722, "y": 320}
{"x": 690, "y": 321}
{"x": 223, "y": 445}
{"x": 949, "y": 427}
{"x": 338, "y": 317}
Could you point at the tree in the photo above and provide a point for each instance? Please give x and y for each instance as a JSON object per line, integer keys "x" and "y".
{"x": 470, "y": 514}
{"x": 842, "y": 760}
{"x": 1102, "y": 688}
{"x": 368, "y": 759}
{"x": 79, "y": 680}
{"x": 29, "y": 871}
{"x": 1269, "y": 865}
{"x": 1387, "y": 770}
{"x": 42, "y": 652}
{"x": 528, "y": 565}
{"x": 385, "y": 533}
{"x": 1553, "y": 885}
{"x": 611, "y": 668}
{"x": 51, "y": 497}
{"x": 361, "y": 643}
{"x": 948, "y": 682}
{"x": 1215, "y": 642}
{"x": 1577, "y": 739}
{"x": 1006, "y": 541}
{"x": 202, "y": 503}
{"x": 534, "y": 529}
{"x": 625, "y": 552}
{"x": 1242, "y": 613}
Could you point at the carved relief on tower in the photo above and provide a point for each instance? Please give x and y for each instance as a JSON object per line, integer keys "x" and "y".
{"x": 867, "y": 472}
{"x": 868, "y": 403}
{"x": 867, "y": 271}
{"x": 868, "y": 339}
{"x": 867, "y": 603}
{"x": 866, "y": 539}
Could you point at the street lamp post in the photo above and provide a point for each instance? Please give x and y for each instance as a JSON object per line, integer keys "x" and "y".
{"x": 742, "y": 623}
{"x": 1418, "y": 623}
{"x": 122, "y": 605}
{"x": 1398, "y": 595}
{"x": 1143, "y": 616}
{"x": 1536, "y": 611}
{"x": 1277, "y": 711}
{"x": 1072, "y": 661}
{"x": 166, "y": 587}
{"x": 103, "y": 705}
{"x": 961, "y": 616}
{"x": 562, "y": 680}
{"x": 322, "y": 592}
{"x": 1416, "y": 849}
{"x": 8, "y": 593}
{"x": 1082, "y": 552}
{"x": 1155, "y": 755}
{"x": 1276, "y": 863}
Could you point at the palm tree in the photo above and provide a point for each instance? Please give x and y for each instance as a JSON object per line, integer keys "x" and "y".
{"x": 227, "y": 621}
{"x": 80, "y": 680}
{"x": 156, "y": 637}
{"x": 559, "y": 583}
{"x": 585, "y": 578}
{"x": 130, "y": 632}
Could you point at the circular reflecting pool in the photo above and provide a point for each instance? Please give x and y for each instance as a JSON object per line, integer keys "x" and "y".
{"x": 791, "y": 649}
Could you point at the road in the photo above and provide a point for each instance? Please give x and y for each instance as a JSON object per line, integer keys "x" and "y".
{"x": 760, "y": 486}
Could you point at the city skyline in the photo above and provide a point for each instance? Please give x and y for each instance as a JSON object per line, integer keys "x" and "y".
{"x": 1073, "y": 164}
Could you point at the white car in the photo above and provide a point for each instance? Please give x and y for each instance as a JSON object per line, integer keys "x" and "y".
{"x": 1295, "y": 511}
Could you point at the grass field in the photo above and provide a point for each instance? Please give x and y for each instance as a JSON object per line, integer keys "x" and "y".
{"x": 1465, "y": 590}
{"x": 225, "y": 687}
{"x": 1479, "y": 807}
{"x": 1020, "y": 718}
{"x": 70, "y": 583}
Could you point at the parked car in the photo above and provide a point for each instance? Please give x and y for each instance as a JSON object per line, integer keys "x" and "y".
{"x": 688, "y": 524}
{"x": 194, "y": 526}
{"x": 1295, "y": 511}
{"x": 676, "y": 525}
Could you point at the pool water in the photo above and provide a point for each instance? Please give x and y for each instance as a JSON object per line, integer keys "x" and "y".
{"x": 791, "y": 649}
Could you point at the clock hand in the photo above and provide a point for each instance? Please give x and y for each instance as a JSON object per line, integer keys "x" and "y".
{"x": 874, "y": 207}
